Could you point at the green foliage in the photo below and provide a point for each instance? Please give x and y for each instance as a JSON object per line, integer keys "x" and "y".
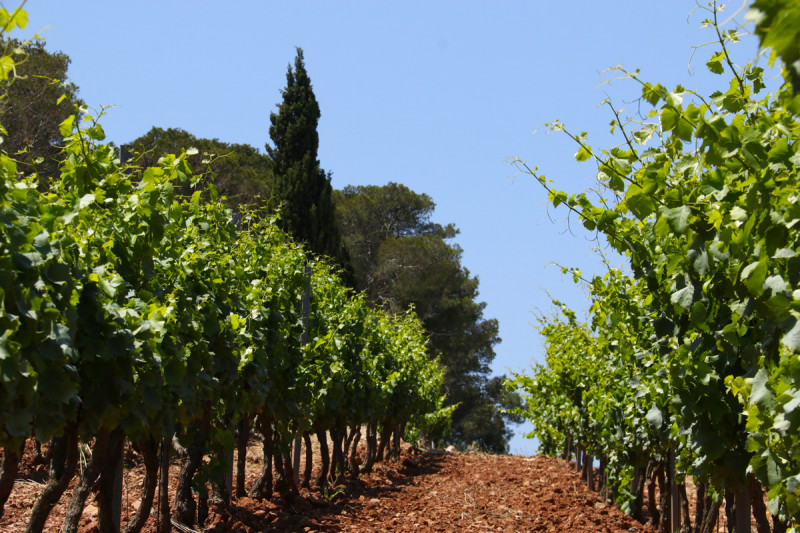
{"x": 110, "y": 279}
{"x": 33, "y": 107}
{"x": 301, "y": 185}
{"x": 703, "y": 204}
{"x": 401, "y": 258}
{"x": 242, "y": 176}
{"x": 130, "y": 306}
{"x": 777, "y": 24}
{"x": 369, "y": 215}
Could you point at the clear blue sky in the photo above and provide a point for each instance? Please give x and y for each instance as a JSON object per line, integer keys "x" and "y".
{"x": 436, "y": 95}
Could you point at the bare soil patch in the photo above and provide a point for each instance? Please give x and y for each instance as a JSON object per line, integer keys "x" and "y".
{"x": 422, "y": 492}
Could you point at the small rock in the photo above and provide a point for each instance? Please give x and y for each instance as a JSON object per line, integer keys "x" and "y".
{"x": 451, "y": 449}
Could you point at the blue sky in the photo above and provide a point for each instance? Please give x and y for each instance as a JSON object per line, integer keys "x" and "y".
{"x": 437, "y": 95}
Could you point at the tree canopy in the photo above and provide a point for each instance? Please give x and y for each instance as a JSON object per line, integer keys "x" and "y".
{"x": 401, "y": 258}
{"x": 33, "y": 110}
{"x": 301, "y": 185}
{"x": 239, "y": 172}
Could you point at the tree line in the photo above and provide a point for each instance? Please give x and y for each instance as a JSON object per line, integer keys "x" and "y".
{"x": 381, "y": 237}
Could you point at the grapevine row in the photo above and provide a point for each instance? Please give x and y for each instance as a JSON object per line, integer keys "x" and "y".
{"x": 132, "y": 313}
{"x": 696, "y": 351}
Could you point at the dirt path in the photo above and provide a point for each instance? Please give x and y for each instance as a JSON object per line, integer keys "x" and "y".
{"x": 421, "y": 492}
{"x": 478, "y": 492}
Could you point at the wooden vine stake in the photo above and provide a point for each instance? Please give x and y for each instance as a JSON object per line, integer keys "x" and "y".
{"x": 227, "y": 479}
{"x": 303, "y": 341}
{"x": 675, "y": 506}
{"x": 116, "y": 496}
{"x": 741, "y": 511}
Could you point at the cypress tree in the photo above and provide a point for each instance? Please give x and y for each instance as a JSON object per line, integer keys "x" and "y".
{"x": 302, "y": 186}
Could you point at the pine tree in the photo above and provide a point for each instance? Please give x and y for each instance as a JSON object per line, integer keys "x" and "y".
{"x": 32, "y": 113}
{"x": 301, "y": 184}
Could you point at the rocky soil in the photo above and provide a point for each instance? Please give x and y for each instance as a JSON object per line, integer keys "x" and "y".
{"x": 422, "y": 492}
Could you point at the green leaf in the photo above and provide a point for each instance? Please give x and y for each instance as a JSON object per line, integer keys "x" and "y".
{"x": 641, "y": 205}
{"x": 791, "y": 405}
{"x": 684, "y": 129}
{"x": 645, "y": 133}
{"x": 6, "y": 66}
{"x": 583, "y": 154}
{"x": 760, "y": 395}
{"x": 683, "y": 297}
{"x": 56, "y": 386}
{"x": 775, "y": 284}
{"x": 791, "y": 339}
{"x": 86, "y": 200}
{"x": 715, "y": 63}
{"x": 677, "y": 218}
{"x": 773, "y": 471}
{"x": 57, "y": 272}
{"x": 780, "y": 151}
{"x": 18, "y": 423}
{"x": 96, "y": 132}
{"x": 669, "y": 119}
{"x": 66, "y": 126}
{"x": 653, "y": 93}
{"x": 654, "y": 417}
{"x": 700, "y": 263}
{"x": 754, "y": 275}
{"x": 699, "y": 314}
{"x": 19, "y": 19}
{"x": 784, "y": 253}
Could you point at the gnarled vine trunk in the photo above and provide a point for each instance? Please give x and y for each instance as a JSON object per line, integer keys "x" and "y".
{"x": 242, "y": 436}
{"x": 354, "y": 451}
{"x": 8, "y": 473}
{"x": 322, "y": 480}
{"x": 185, "y": 506}
{"x": 262, "y": 489}
{"x": 163, "y": 519}
{"x": 730, "y": 510}
{"x": 63, "y": 464}
{"x": 399, "y": 431}
{"x": 149, "y": 451}
{"x": 284, "y": 474}
{"x": 602, "y": 480}
{"x": 385, "y": 434}
{"x": 338, "y": 435}
{"x": 699, "y": 507}
{"x": 112, "y": 467}
{"x": 309, "y": 464}
{"x": 652, "y": 504}
{"x": 664, "y": 476}
{"x": 707, "y": 510}
{"x": 371, "y": 449}
{"x": 639, "y": 479}
{"x": 757, "y": 504}
{"x": 588, "y": 471}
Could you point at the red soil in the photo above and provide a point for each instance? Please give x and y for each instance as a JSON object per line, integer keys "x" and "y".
{"x": 422, "y": 492}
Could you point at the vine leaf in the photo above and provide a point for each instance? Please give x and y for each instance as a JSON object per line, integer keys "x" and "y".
{"x": 760, "y": 395}
{"x": 654, "y": 417}
{"x": 677, "y": 218}
{"x": 683, "y": 297}
{"x": 792, "y": 338}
